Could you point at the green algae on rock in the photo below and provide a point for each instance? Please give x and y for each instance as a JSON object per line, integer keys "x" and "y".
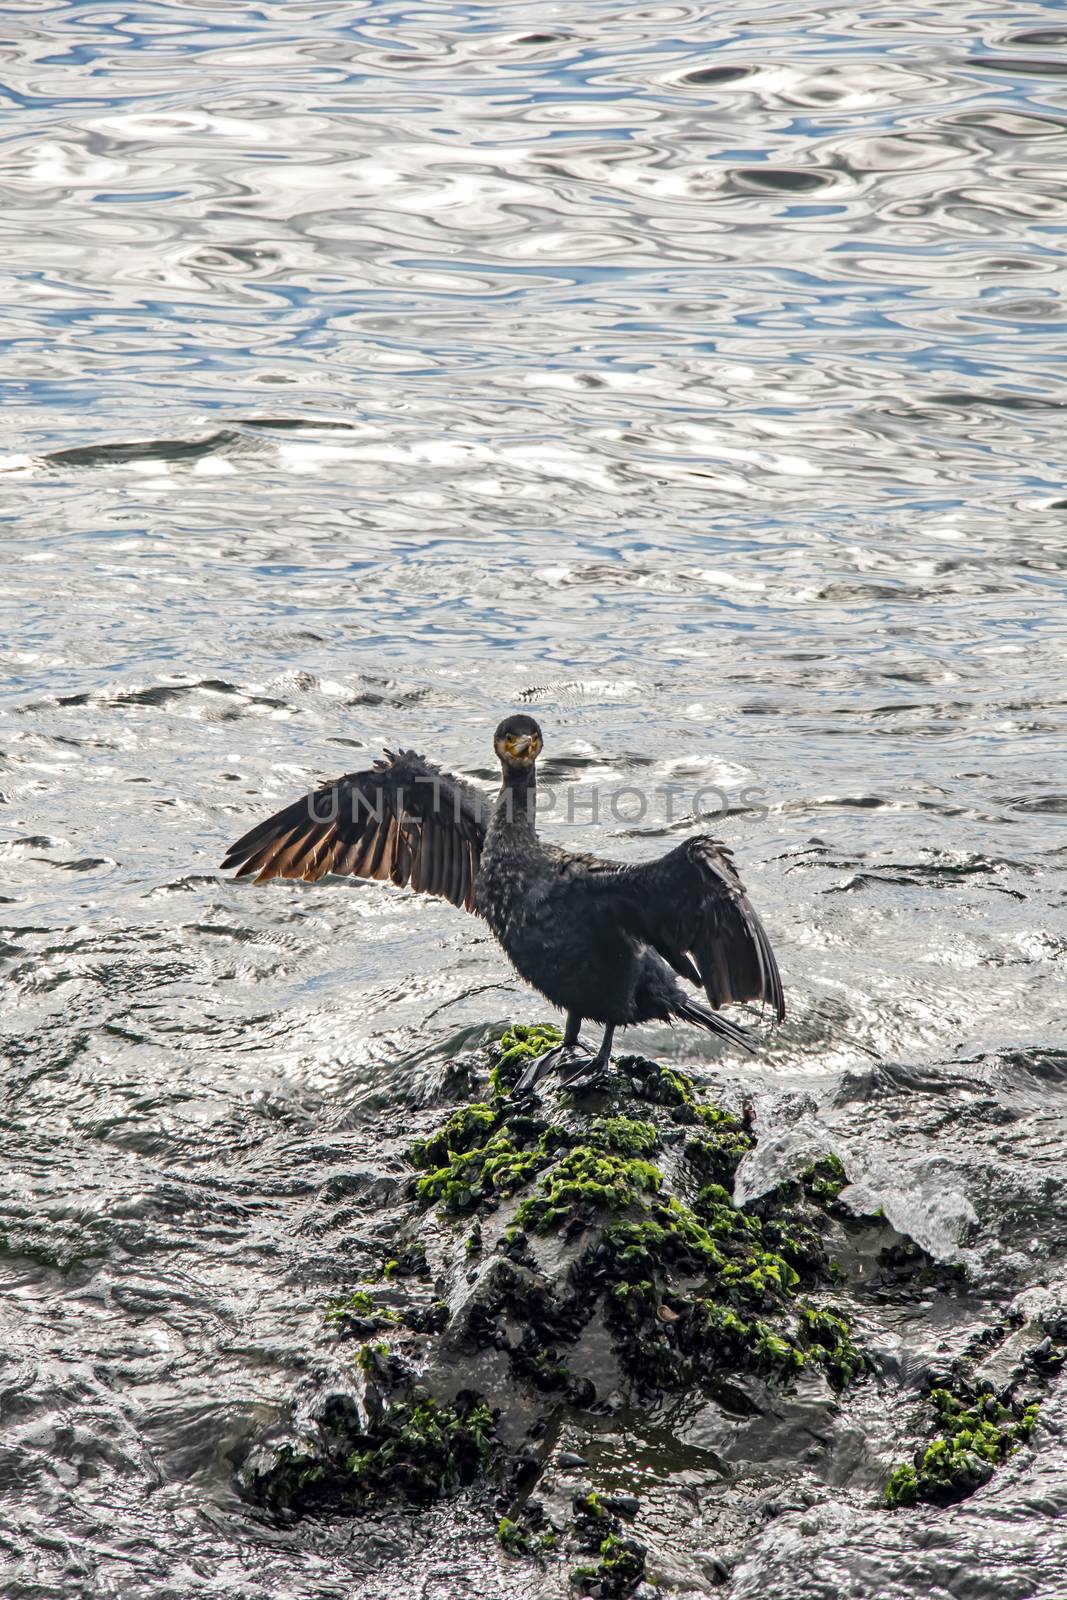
{"x": 987, "y": 1404}
{"x": 690, "y": 1290}
{"x": 582, "y": 1249}
{"x": 417, "y": 1450}
{"x": 520, "y": 1044}
{"x": 824, "y": 1179}
{"x": 512, "y": 1537}
{"x": 618, "y": 1572}
{"x": 597, "y": 1530}
{"x": 593, "y": 1179}
{"x": 977, "y": 1432}
{"x": 357, "y": 1314}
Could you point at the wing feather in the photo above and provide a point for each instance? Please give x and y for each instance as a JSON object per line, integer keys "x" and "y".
{"x": 418, "y": 873}
{"x": 691, "y": 906}
{"x": 456, "y": 891}
{"x": 402, "y": 857}
{"x": 471, "y": 874}
{"x": 372, "y": 859}
{"x": 429, "y": 858}
{"x": 404, "y": 821}
{"x": 448, "y": 856}
{"x": 345, "y": 865}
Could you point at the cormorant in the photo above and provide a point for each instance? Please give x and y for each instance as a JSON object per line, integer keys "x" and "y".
{"x": 598, "y": 939}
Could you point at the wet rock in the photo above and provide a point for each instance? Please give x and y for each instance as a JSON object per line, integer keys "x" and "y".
{"x": 353, "y": 1449}
{"x": 623, "y": 1505}
{"x": 617, "y": 1573}
{"x": 1006, "y": 1365}
{"x": 985, "y": 1405}
{"x": 578, "y": 1252}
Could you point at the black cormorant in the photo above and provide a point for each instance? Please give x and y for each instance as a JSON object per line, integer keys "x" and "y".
{"x": 599, "y": 939}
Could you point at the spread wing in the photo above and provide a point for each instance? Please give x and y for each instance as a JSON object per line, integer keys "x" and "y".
{"x": 691, "y": 906}
{"x": 404, "y": 820}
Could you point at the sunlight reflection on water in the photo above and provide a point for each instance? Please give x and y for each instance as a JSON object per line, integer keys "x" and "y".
{"x": 691, "y": 374}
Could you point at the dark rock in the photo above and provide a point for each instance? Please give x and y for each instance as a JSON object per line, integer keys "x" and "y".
{"x": 571, "y": 1248}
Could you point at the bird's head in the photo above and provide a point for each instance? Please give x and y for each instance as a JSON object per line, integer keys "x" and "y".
{"x": 517, "y": 742}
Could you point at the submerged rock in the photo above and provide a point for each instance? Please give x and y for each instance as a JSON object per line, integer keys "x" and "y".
{"x": 414, "y": 1449}
{"x": 988, "y": 1404}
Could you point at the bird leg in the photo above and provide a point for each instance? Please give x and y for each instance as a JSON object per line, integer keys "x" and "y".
{"x": 600, "y": 1062}
{"x": 544, "y": 1064}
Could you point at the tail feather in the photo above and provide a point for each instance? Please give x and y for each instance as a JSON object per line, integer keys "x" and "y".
{"x": 693, "y": 1011}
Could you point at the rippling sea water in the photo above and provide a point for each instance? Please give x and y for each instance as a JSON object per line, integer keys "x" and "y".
{"x": 690, "y": 375}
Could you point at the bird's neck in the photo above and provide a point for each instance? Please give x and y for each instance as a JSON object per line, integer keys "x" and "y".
{"x": 516, "y": 804}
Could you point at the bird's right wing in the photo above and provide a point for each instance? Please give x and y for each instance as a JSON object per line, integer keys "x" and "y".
{"x": 403, "y": 820}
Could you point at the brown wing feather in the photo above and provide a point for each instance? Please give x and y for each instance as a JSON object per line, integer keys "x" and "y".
{"x": 404, "y": 822}
{"x": 402, "y": 858}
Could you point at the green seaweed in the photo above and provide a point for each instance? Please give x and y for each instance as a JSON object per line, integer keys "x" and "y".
{"x": 420, "y": 1451}
{"x": 713, "y": 1330}
{"x": 828, "y": 1339}
{"x": 512, "y": 1537}
{"x": 625, "y": 1136}
{"x": 410, "y": 1263}
{"x": 358, "y": 1300}
{"x": 371, "y": 1358}
{"x": 425, "y": 1450}
{"x": 519, "y": 1045}
{"x": 824, "y": 1179}
{"x": 481, "y": 1153}
{"x": 587, "y": 1179}
{"x": 296, "y": 1480}
{"x": 618, "y": 1572}
{"x": 717, "y": 1150}
{"x": 977, "y": 1427}
{"x": 661, "y": 1086}
{"x": 494, "y": 1170}
{"x": 591, "y": 1505}
{"x": 977, "y": 1432}
{"x": 672, "y": 1339}
{"x": 358, "y": 1313}
{"x": 465, "y": 1129}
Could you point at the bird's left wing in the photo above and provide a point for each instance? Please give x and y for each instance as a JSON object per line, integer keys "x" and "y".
{"x": 691, "y": 906}
{"x": 403, "y": 820}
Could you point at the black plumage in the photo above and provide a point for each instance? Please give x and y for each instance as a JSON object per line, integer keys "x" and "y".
{"x": 598, "y": 939}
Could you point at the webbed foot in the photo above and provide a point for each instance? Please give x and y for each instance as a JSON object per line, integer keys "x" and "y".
{"x": 587, "y": 1073}
{"x": 544, "y": 1065}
